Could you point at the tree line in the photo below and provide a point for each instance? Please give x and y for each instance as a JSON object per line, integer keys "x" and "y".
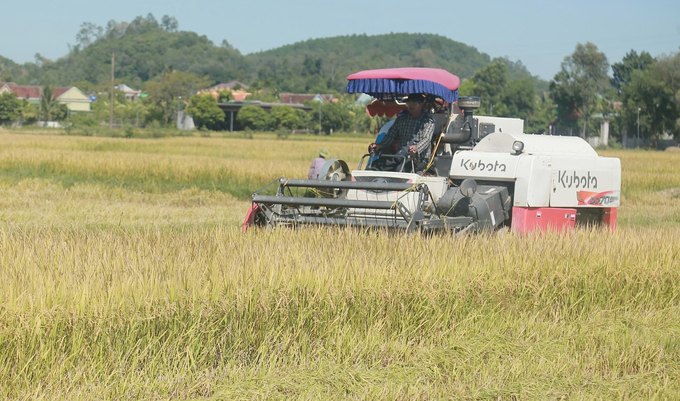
{"x": 171, "y": 65}
{"x": 642, "y": 92}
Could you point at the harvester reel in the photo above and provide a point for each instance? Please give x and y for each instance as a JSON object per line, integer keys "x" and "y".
{"x": 334, "y": 170}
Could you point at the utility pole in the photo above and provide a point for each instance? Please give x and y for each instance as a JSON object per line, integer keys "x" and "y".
{"x": 179, "y": 98}
{"x": 638, "y": 124}
{"x": 111, "y": 111}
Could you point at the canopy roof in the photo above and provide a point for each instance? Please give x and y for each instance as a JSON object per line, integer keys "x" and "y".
{"x": 403, "y": 81}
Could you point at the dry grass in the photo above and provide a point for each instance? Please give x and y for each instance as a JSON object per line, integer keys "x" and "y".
{"x": 650, "y": 181}
{"x": 121, "y": 279}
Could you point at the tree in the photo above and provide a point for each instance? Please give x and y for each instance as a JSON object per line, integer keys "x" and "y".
{"x": 47, "y": 104}
{"x": 539, "y": 121}
{"x": 467, "y": 88}
{"x": 304, "y": 119}
{"x": 253, "y": 117}
{"x": 226, "y": 45}
{"x": 361, "y": 121}
{"x": 582, "y": 78}
{"x": 28, "y": 112}
{"x": 631, "y": 62}
{"x": 284, "y": 117}
{"x": 164, "y": 92}
{"x": 311, "y": 66}
{"x": 334, "y": 117}
{"x": 142, "y": 25}
{"x": 41, "y": 61}
{"x": 5, "y": 74}
{"x": 10, "y": 107}
{"x": 60, "y": 111}
{"x": 204, "y": 110}
{"x": 518, "y": 99}
{"x": 169, "y": 24}
{"x": 88, "y": 34}
{"x": 224, "y": 96}
{"x": 115, "y": 30}
{"x": 500, "y": 96}
{"x": 489, "y": 83}
{"x": 315, "y": 84}
{"x": 424, "y": 58}
{"x": 668, "y": 70}
{"x": 656, "y": 91}
{"x": 83, "y": 120}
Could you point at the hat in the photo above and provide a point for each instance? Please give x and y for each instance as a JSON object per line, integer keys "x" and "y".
{"x": 323, "y": 153}
{"x": 417, "y": 97}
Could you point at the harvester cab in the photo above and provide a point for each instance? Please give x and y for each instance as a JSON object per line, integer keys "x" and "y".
{"x": 484, "y": 174}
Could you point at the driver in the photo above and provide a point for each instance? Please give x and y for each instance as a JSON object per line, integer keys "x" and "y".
{"x": 412, "y": 132}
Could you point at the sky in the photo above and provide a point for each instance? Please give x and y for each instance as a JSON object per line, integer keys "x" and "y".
{"x": 540, "y": 34}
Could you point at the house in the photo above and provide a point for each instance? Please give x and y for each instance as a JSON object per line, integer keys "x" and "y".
{"x": 30, "y": 93}
{"x": 131, "y": 95}
{"x": 239, "y": 94}
{"x": 299, "y": 98}
{"x": 229, "y": 86}
{"x": 72, "y": 97}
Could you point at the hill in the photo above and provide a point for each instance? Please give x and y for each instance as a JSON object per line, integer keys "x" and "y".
{"x": 7, "y": 63}
{"x": 318, "y": 64}
{"x": 9, "y": 70}
{"x": 145, "y": 49}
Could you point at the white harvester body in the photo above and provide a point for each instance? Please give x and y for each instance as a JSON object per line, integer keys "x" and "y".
{"x": 550, "y": 171}
{"x": 550, "y": 179}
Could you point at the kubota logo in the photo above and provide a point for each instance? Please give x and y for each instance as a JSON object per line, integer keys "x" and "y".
{"x": 467, "y": 164}
{"x": 576, "y": 180}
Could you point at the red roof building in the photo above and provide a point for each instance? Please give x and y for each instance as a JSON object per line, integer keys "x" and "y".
{"x": 298, "y": 98}
{"x": 74, "y": 99}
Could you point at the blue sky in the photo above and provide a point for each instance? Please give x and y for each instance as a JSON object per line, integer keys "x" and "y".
{"x": 538, "y": 33}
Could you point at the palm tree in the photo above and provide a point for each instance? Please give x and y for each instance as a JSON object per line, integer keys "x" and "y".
{"x": 47, "y": 102}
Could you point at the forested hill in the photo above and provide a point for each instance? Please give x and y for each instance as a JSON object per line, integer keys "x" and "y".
{"x": 145, "y": 49}
{"x": 319, "y": 63}
{"x": 7, "y": 63}
{"x": 140, "y": 55}
{"x": 8, "y": 69}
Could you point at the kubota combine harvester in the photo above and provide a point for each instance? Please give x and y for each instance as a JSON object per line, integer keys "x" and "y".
{"x": 485, "y": 173}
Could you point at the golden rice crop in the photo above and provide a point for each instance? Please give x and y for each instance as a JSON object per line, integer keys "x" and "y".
{"x": 121, "y": 279}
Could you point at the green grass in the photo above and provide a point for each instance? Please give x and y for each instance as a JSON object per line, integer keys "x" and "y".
{"x": 124, "y": 275}
{"x": 161, "y": 181}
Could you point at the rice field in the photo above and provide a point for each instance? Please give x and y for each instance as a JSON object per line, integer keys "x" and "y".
{"x": 124, "y": 275}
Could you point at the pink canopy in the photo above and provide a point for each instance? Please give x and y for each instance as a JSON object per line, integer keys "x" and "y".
{"x": 437, "y": 75}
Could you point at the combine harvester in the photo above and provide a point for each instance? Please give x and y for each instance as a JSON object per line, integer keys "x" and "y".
{"x": 485, "y": 173}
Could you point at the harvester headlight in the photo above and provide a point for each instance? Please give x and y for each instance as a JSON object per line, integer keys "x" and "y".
{"x": 518, "y": 146}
